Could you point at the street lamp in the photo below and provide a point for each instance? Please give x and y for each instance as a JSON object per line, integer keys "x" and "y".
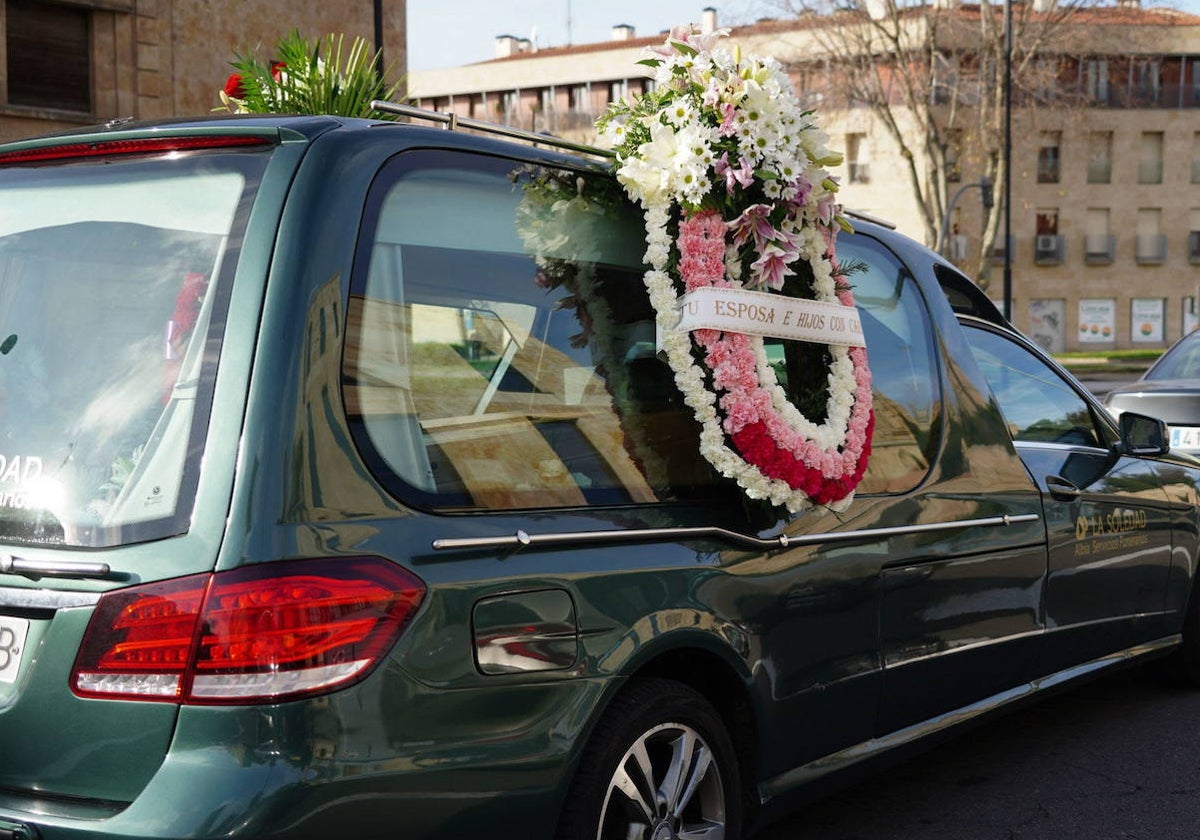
{"x": 378, "y": 10}
{"x": 985, "y": 185}
{"x": 1008, "y": 160}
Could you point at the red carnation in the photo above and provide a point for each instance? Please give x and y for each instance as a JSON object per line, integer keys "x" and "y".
{"x": 234, "y": 88}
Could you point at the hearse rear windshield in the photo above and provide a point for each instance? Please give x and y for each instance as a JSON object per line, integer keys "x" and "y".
{"x": 114, "y": 275}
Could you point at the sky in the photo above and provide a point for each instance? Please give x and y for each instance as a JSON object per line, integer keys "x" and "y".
{"x": 447, "y": 33}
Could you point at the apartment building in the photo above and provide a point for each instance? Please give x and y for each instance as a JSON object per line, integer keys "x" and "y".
{"x": 1105, "y": 205}
{"x": 69, "y": 64}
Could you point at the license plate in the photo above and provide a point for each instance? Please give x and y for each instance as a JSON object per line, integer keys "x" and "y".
{"x": 1185, "y": 437}
{"x": 13, "y": 632}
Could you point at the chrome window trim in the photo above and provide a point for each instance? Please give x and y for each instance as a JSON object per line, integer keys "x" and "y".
{"x": 523, "y": 539}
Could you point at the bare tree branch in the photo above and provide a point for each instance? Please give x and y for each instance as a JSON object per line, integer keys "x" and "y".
{"x": 932, "y": 76}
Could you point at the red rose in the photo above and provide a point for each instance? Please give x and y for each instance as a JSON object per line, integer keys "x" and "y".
{"x": 234, "y": 88}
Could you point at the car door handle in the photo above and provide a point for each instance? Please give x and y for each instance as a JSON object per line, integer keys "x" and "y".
{"x": 1061, "y": 489}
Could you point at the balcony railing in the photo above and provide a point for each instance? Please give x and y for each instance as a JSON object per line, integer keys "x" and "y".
{"x": 1138, "y": 96}
{"x": 1151, "y": 249}
{"x": 1150, "y": 172}
{"x": 1099, "y": 172}
{"x": 998, "y": 249}
{"x": 1099, "y": 249}
{"x": 1049, "y": 249}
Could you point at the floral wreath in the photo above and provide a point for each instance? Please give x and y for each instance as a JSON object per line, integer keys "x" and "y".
{"x": 741, "y": 221}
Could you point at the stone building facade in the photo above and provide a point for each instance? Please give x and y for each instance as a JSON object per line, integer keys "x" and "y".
{"x": 79, "y": 62}
{"x": 1105, "y": 246}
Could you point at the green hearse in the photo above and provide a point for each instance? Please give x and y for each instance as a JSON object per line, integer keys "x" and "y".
{"x": 337, "y": 500}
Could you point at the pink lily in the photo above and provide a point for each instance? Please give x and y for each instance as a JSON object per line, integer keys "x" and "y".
{"x": 742, "y": 174}
{"x": 754, "y": 222}
{"x": 772, "y": 266}
{"x": 803, "y": 188}
{"x": 728, "y": 114}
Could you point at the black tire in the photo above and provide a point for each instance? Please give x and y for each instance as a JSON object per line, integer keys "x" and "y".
{"x": 660, "y": 764}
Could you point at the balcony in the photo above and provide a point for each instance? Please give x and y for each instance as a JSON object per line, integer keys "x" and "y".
{"x": 1099, "y": 249}
{"x": 1048, "y": 171}
{"x": 999, "y": 248}
{"x": 1151, "y": 249}
{"x": 1150, "y": 172}
{"x": 1166, "y": 96}
{"x": 555, "y": 121}
{"x": 1099, "y": 171}
{"x": 1049, "y": 249}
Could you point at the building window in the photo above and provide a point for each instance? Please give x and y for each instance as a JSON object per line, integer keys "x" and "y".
{"x": 49, "y": 55}
{"x": 1099, "y": 245}
{"x": 581, "y": 99}
{"x": 1196, "y": 158}
{"x": 858, "y": 169}
{"x": 1099, "y": 165}
{"x": 944, "y": 83}
{"x": 1147, "y": 80}
{"x": 1151, "y": 243}
{"x": 1096, "y": 80}
{"x": 508, "y": 105}
{"x": 1048, "y": 160}
{"x": 1194, "y": 236}
{"x": 1097, "y": 320}
{"x": 1048, "y": 245}
{"x": 1150, "y": 158}
{"x": 617, "y": 91}
{"x": 1146, "y": 317}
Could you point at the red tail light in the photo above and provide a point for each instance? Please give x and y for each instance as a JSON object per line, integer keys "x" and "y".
{"x": 261, "y": 633}
{"x": 144, "y": 146}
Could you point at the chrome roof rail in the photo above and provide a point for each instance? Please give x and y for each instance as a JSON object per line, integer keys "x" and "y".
{"x": 453, "y": 122}
{"x": 867, "y": 217}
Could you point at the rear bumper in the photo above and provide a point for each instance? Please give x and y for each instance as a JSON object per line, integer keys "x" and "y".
{"x": 365, "y": 763}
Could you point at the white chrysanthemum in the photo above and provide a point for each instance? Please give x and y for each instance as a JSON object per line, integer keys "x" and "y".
{"x": 614, "y": 133}
{"x": 680, "y": 113}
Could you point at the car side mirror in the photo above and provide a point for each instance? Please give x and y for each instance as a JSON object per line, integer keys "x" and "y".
{"x": 1142, "y": 435}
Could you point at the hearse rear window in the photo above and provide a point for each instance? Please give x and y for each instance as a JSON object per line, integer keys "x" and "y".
{"x": 111, "y": 289}
{"x": 500, "y": 349}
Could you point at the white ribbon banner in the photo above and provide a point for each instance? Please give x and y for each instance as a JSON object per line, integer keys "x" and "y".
{"x": 766, "y": 314}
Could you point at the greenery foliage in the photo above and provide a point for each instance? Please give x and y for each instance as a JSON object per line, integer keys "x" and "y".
{"x": 321, "y": 76}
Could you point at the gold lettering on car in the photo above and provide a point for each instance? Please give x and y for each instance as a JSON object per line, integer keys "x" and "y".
{"x": 1103, "y": 533}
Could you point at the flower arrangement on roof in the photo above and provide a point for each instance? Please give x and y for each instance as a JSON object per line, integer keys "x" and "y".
{"x": 308, "y": 77}
{"x": 741, "y": 226}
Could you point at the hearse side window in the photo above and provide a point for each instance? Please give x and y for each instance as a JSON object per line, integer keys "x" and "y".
{"x": 1037, "y": 404}
{"x": 904, "y": 369}
{"x": 500, "y": 350}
